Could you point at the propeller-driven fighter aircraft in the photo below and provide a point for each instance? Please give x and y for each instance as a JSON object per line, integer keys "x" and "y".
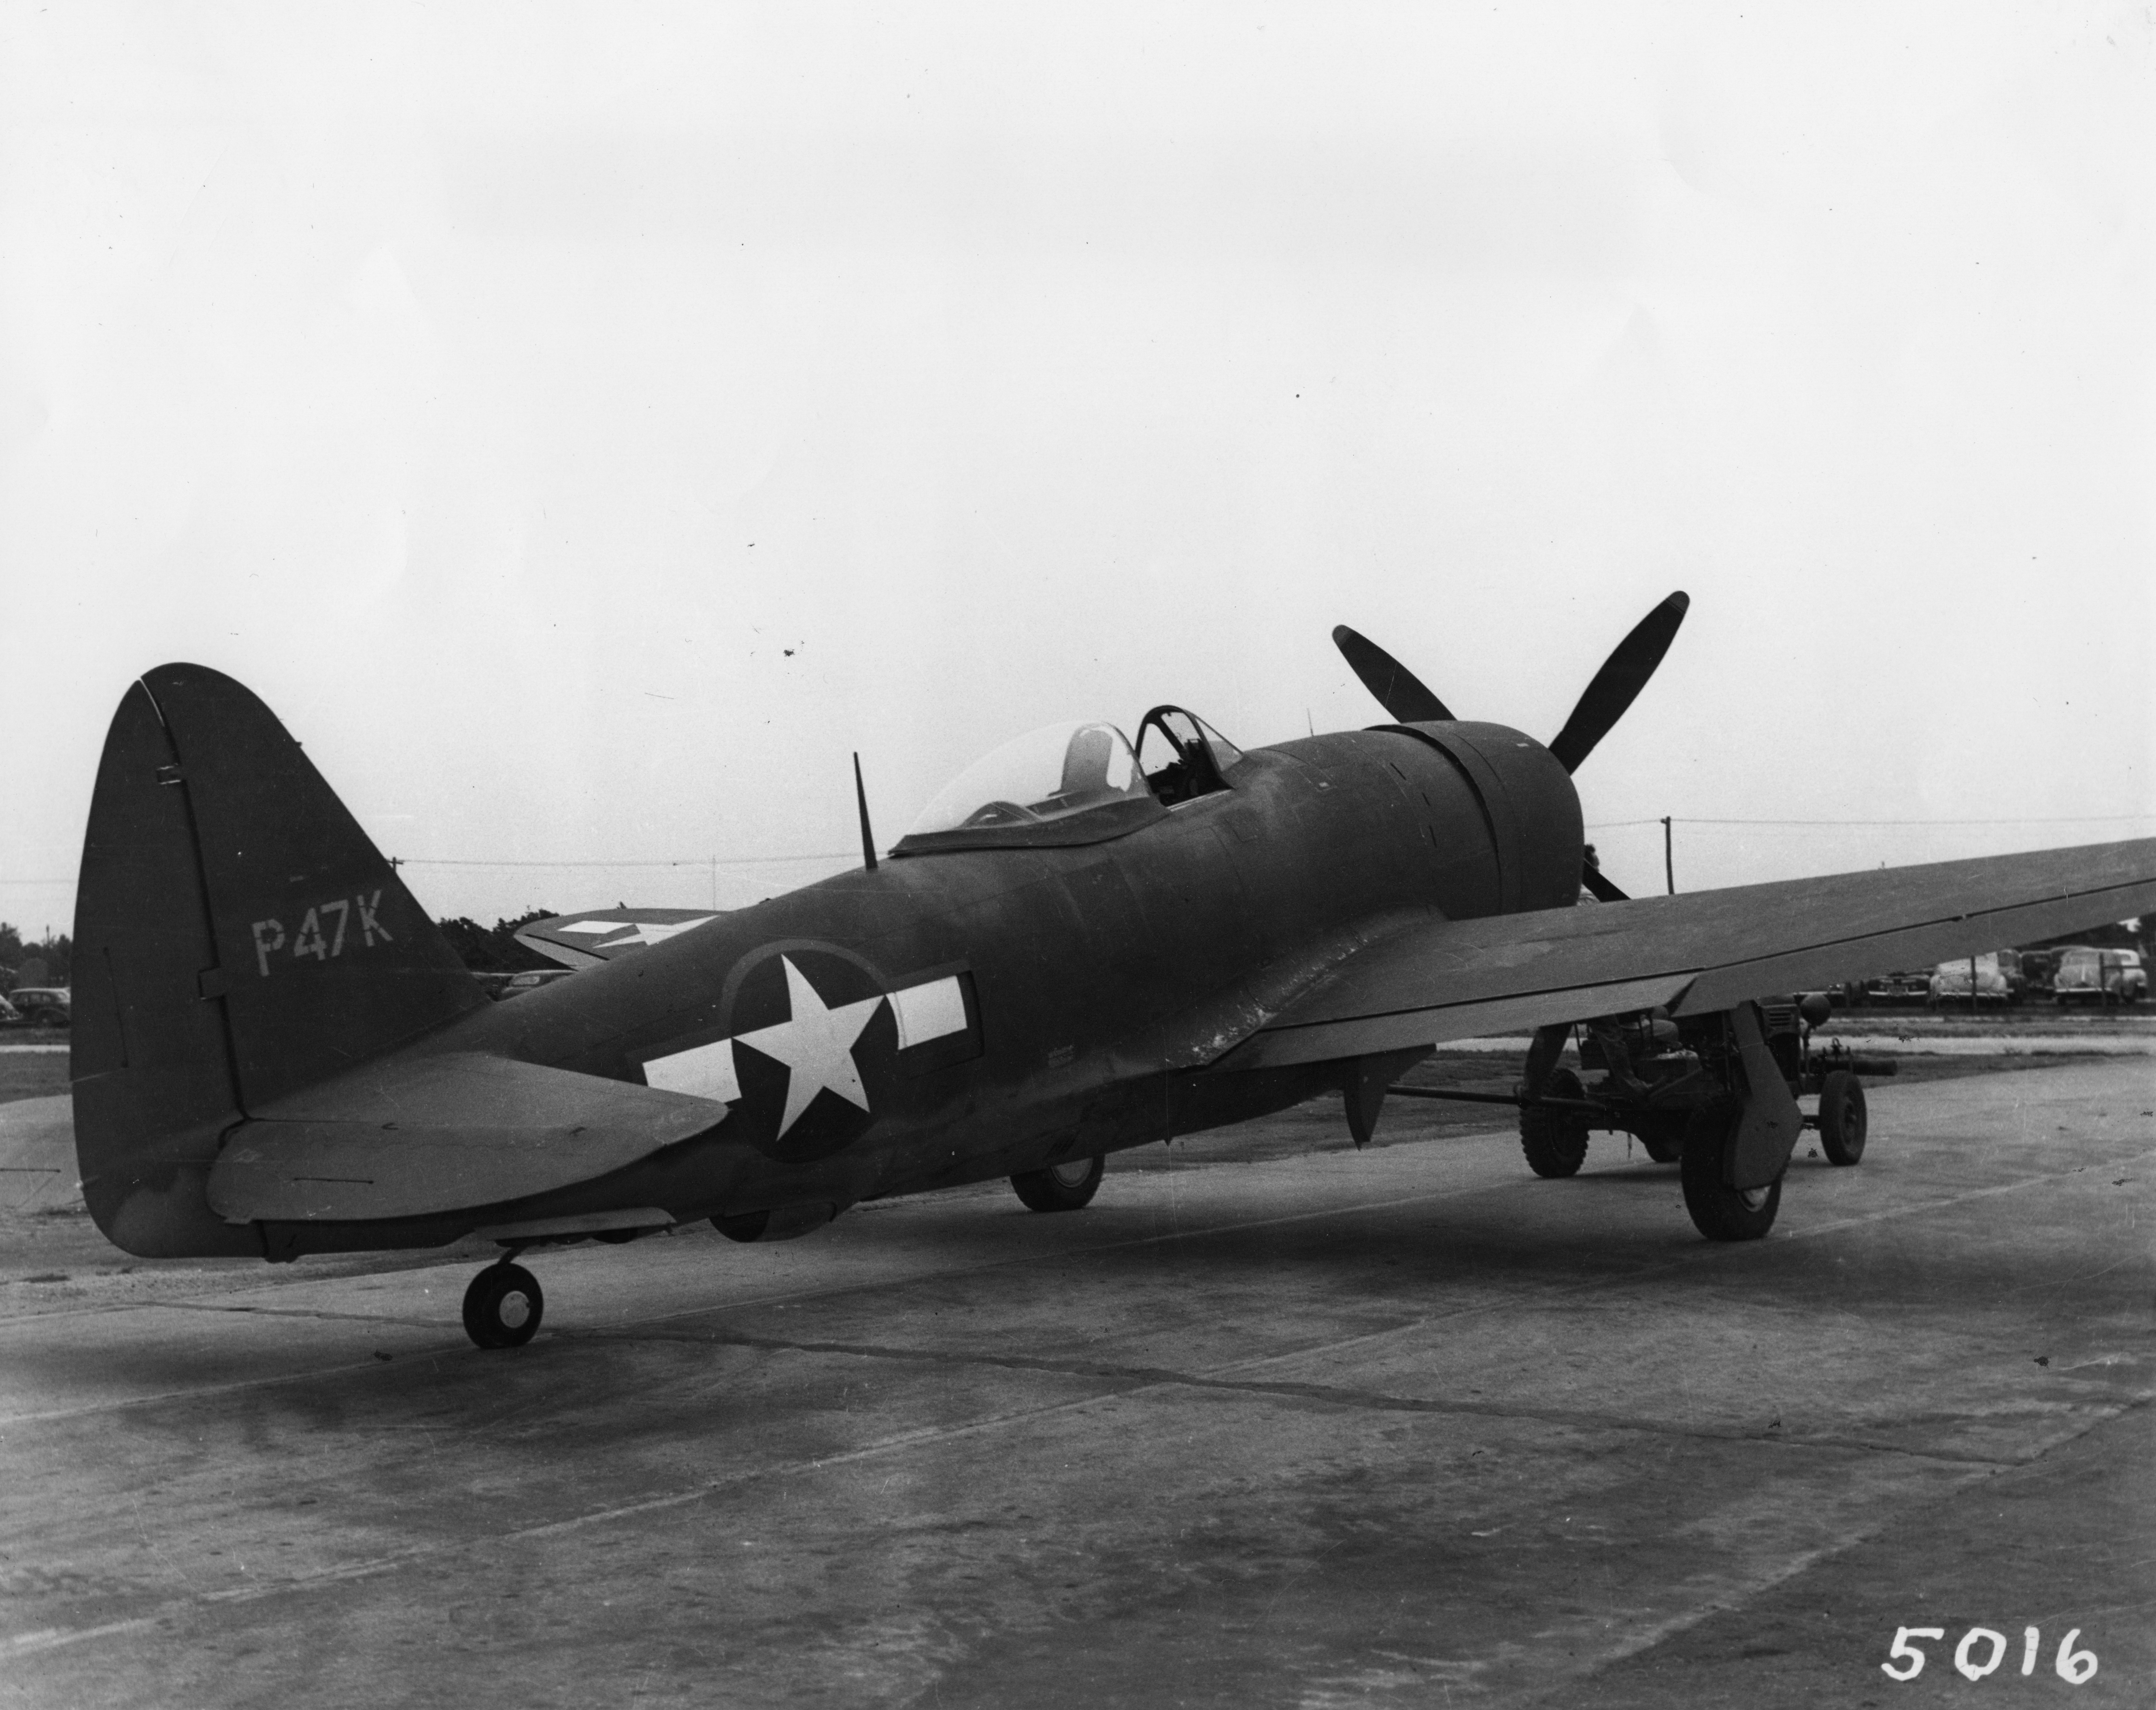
{"x": 1080, "y": 946}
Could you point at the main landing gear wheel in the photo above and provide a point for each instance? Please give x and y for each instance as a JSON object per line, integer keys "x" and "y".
{"x": 1720, "y": 1212}
{"x": 502, "y": 1306}
{"x": 1061, "y": 1187}
{"x": 1842, "y": 1119}
{"x": 1555, "y": 1142}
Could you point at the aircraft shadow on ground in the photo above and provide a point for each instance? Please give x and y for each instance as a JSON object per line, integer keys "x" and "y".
{"x": 1500, "y": 1245}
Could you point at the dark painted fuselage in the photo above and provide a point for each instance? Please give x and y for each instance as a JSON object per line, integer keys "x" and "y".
{"x": 1101, "y": 977}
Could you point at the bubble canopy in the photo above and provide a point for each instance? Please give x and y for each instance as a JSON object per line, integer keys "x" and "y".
{"x": 1043, "y": 778}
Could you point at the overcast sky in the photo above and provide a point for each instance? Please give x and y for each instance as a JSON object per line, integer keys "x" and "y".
{"x": 585, "y": 425}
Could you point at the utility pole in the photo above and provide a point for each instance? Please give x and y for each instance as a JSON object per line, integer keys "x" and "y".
{"x": 1668, "y": 859}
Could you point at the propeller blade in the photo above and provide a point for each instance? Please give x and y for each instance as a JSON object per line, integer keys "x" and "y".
{"x": 1599, "y": 887}
{"x": 1397, "y": 688}
{"x": 1623, "y": 674}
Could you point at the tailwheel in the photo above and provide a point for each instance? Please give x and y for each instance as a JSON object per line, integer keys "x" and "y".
{"x": 503, "y": 1306}
{"x": 1555, "y": 1142}
{"x": 1061, "y": 1187}
{"x": 1842, "y": 1119}
{"x": 1720, "y": 1212}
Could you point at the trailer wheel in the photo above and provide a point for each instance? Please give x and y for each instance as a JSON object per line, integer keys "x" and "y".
{"x": 1718, "y": 1211}
{"x": 1555, "y": 1142}
{"x": 1842, "y": 1123}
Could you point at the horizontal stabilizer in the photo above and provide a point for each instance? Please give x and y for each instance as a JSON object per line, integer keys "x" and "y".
{"x": 601, "y": 934}
{"x": 426, "y": 1134}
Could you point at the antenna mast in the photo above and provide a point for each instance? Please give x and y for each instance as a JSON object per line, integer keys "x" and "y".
{"x": 862, "y": 801}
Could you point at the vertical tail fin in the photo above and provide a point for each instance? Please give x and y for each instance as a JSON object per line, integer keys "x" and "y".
{"x": 237, "y": 936}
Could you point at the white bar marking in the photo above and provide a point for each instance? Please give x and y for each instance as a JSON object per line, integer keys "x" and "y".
{"x": 933, "y": 1011}
{"x": 702, "y": 1072}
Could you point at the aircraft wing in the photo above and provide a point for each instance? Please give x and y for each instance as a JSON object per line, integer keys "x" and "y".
{"x": 411, "y": 1137}
{"x": 1693, "y": 954}
{"x": 601, "y": 934}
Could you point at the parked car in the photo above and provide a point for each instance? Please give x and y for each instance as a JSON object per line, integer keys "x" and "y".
{"x": 530, "y": 981}
{"x": 2104, "y": 976}
{"x": 1951, "y": 981}
{"x": 1898, "y": 988}
{"x": 43, "y": 1006}
{"x": 2037, "y": 968}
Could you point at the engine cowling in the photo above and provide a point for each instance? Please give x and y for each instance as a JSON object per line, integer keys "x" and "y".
{"x": 1529, "y": 809}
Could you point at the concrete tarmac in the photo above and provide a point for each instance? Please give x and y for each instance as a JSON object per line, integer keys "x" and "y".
{"x": 1402, "y": 1427}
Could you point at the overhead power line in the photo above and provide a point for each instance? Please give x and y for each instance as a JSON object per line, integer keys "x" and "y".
{"x": 2010, "y": 820}
{"x": 678, "y": 861}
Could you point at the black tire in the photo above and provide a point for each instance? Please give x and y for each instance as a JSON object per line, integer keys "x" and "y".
{"x": 503, "y": 1306}
{"x": 1664, "y": 1142}
{"x": 48, "y": 1018}
{"x": 1842, "y": 1122}
{"x": 1718, "y": 1211}
{"x": 1061, "y": 1187}
{"x": 1555, "y": 1142}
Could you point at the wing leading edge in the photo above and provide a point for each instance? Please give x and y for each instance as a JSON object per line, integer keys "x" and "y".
{"x": 1696, "y": 953}
{"x": 601, "y": 934}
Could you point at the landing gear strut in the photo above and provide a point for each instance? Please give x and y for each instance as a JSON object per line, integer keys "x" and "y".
{"x": 502, "y": 1306}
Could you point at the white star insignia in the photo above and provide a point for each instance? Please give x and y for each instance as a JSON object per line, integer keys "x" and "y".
{"x": 816, "y": 1044}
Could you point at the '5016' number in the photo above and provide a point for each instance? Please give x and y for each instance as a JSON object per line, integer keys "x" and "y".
{"x": 1982, "y": 1650}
